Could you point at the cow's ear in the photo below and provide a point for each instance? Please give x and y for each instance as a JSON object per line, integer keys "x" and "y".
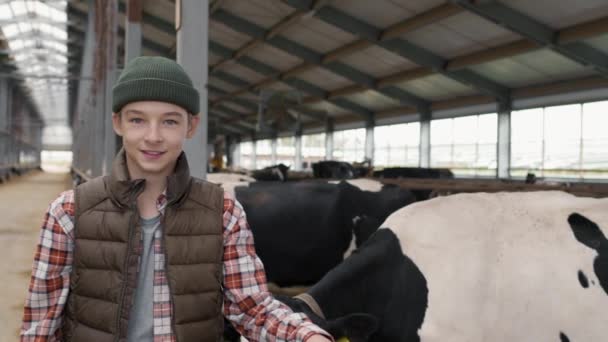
{"x": 356, "y": 327}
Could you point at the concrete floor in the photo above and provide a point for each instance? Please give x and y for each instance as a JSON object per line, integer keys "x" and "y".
{"x": 23, "y": 202}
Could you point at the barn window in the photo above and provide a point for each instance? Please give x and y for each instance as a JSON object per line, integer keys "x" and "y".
{"x": 594, "y": 159}
{"x": 313, "y": 149}
{"x": 349, "y": 145}
{"x": 263, "y": 153}
{"x": 561, "y": 141}
{"x": 286, "y": 151}
{"x": 466, "y": 145}
{"x": 397, "y": 145}
{"x": 246, "y": 157}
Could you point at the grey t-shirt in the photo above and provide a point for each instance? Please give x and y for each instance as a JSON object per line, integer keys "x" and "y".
{"x": 141, "y": 319}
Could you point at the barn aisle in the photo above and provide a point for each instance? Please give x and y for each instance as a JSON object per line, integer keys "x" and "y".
{"x": 23, "y": 201}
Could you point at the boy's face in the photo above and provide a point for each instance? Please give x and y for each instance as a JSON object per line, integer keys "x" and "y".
{"x": 153, "y": 134}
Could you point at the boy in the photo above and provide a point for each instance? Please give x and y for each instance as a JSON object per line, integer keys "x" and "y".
{"x": 148, "y": 253}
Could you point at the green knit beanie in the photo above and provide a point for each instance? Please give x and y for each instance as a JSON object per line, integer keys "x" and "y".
{"x": 155, "y": 79}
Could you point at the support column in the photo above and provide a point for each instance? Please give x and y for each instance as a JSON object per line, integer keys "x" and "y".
{"x": 273, "y": 150}
{"x": 298, "y": 156}
{"x": 329, "y": 139}
{"x": 503, "y": 146}
{"x": 9, "y": 124}
{"x": 369, "y": 140}
{"x": 133, "y": 29}
{"x": 83, "y": 126}
{"x": 96, "y": 97}
{"x": 425, "y": 139}
{"x": 234, "y": 151}
{"x": 192, "y": 23}
{"x": 111, "y": 53}
{"x": 4, "y": 131}
{"x": 254, "y": 154}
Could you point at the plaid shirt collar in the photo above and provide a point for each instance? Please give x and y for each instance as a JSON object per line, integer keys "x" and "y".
{"x": 161, "y": 202}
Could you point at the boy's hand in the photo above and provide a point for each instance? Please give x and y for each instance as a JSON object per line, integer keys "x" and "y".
{"x": 318, "y": 338}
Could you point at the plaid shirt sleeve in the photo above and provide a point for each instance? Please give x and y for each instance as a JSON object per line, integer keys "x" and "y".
{"x": 247, "y": 303}
{"x": 50, "y": 281}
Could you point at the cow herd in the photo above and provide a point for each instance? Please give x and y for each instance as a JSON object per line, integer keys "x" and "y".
{"x": 529, "y": 266}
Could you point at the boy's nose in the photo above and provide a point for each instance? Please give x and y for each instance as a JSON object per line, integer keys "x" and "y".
{"x": 153, "y": 134}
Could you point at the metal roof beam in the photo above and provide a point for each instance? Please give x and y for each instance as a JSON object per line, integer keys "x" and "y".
{"x": 241, "y": 102}
{"x": 253, "y": 107}
{"x": 274, "y": 74}
{"x": 407, "y": 50}
{"x": 279, "y": 27}
{"x": 152, "y": 20}
{"x": 312, "y": 57}
{"x": 224, "y": 76}
{"x": 234, "y": 126}
{"x": 538, "y": 32}
{"x": 231, "y": 129}
{"x": 149, "y": 44}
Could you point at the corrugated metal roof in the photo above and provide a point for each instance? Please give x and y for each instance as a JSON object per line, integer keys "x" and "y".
{"x": 483, "y": 58}
{"x": 383, "y": 13}
{"x": 377, "y": 61}
{"x": 318, "y": 35}
{"x": 436, "y": 88}
{"x": 532, "y": 68}
{"x": 559, "y": 14}
{"x": 600, "y": 43}
{"x": 460, "y": 34}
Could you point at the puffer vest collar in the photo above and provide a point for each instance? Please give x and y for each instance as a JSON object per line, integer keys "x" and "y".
{"x": 124, "y": 191}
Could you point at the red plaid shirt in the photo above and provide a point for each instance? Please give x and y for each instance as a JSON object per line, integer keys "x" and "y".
{"x": 247, "y": 302}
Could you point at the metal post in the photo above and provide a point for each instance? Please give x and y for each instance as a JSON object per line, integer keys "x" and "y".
{"x": 9, "y": 123}
{"x": 254, "y": 154}
{"x": 234, "y": 151}
{"x": 95, "y": 96}
{"x": 425, "y": 139}
{"x": 4, "y": 131}
{"x": 133, "y": 29}
{"x": 273, "y": 150}
{"x": 329, "y": 139}
{"x": 82, "y": 147}
{"x": 503, "y": 146}
{"x": 109, "y": 78}
{"x": 298, "y": 156}
{"x": 369, "y": 140}
{"x": 4, "y": 110}
{"x": 192, "y": 22}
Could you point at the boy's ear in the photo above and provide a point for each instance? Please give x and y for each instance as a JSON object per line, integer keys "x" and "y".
{"x": 117, "y": 123}
{"x": 193, "y": 121}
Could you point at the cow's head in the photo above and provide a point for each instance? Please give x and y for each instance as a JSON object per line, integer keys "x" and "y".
{"x": 357, "y": 327}
{"x": 377, "y": 280}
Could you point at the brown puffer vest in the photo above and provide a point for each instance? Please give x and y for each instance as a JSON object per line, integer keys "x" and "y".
{"x": 107, "y": 235}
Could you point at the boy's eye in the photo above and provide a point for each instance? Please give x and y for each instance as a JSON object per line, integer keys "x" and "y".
{"x": 170, "y": 122}
{"x": 136, "y": 120}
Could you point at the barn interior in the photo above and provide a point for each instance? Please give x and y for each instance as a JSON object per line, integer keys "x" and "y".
{"x": 437, "y": 97}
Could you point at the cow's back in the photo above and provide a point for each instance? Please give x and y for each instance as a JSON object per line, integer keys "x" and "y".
{"x": 299, "y": 229}
{"x": 506, "y": 267}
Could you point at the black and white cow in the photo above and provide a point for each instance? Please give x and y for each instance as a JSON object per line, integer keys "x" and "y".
{"x": 479, "y": 267}
{"x": 415, "y": 172}
{"x": 277, "y": 172}
{"x": 303, "y": 229}
{"x": 333, "y": 169}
